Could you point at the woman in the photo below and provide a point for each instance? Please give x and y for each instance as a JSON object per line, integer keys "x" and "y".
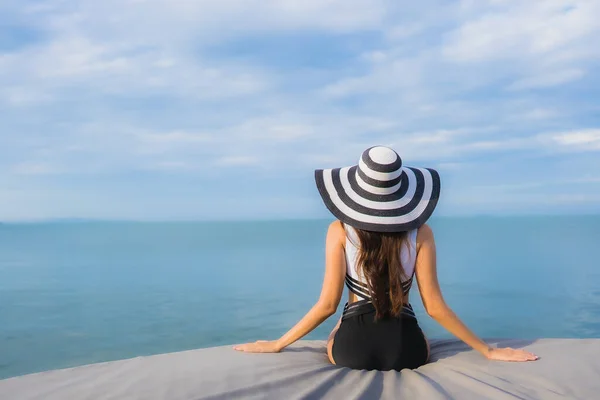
{"x": 378, "y": 244}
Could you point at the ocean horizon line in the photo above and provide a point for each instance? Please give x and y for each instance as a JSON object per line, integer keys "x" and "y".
{"x": 68, "y": 220}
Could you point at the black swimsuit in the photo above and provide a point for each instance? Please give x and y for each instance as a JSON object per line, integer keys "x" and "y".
{"x": 386, "y": 344}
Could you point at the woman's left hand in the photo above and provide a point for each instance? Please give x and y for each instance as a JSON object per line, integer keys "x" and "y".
{"x": 260, "y": 346}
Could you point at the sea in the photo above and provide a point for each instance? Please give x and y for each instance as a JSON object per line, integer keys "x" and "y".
{"x": 74, "y": 293}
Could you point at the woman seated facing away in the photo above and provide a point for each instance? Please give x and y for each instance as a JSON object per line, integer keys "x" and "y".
{"x": 379, "y": 243}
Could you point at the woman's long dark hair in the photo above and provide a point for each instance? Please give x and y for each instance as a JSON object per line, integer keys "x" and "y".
{"x": 380, "y": 263}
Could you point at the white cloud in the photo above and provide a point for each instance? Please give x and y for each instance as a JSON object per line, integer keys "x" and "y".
{"x": 35, "y": 168}
{"x": 22, "y": 96}
{"x": 174, "y": 137}
{"x": 513, "y": 29}
{"x": 236, "y": 161}
{"x": 537, "y": 44}
{"x": 164, "y": 21}
{"x": 538, "y": 113}
{"x": 451, "y": 166}
{"x": 519, "y": 187}
{"x": 389, "y": 73}
{"x": 52, "y": 68}
{"x": 170, "y": 166}
{"x": 548, "y": 79}
{"x": 583, "y": 140}
{"x": 77, "y": 56}
{"x": 519, "y": 202}
{"x": 176, "y": 86}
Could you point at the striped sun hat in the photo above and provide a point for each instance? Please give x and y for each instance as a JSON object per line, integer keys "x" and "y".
{"x": 380, "y": 194}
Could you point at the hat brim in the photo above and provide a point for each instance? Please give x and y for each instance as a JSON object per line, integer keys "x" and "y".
{"x": 407, "y": 208}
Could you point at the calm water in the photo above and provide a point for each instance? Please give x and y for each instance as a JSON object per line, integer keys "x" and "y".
{"x": 73, "y": 294}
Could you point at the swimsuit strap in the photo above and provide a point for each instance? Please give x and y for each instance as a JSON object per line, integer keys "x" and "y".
{"x": 361, "y": 307}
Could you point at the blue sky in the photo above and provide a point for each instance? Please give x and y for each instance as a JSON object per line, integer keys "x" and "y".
{"x": 166, "y": 109}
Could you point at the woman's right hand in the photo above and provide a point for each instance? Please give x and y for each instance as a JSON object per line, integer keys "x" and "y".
{"x": 510, "y": 354}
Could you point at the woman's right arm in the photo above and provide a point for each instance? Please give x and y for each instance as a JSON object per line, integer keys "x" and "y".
{"x": 436, "y": 307}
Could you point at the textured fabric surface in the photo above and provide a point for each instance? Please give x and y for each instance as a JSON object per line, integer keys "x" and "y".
{"x": 568, "y": 369}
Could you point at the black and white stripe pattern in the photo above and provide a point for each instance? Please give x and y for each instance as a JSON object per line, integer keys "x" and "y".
{"x": 362, "y": 290}
{"x": 379, "y": 194}
{"x": 365, "y": 306}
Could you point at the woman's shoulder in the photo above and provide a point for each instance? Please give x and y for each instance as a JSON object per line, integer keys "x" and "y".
{"x": 425, "y": 229}
{"x": 336, "y": 231}
{"x": 336, "y": 226}
{"x": 424, "y": 234}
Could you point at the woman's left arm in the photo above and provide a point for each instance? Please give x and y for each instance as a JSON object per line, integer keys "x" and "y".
{"x": 331, "y": 293}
